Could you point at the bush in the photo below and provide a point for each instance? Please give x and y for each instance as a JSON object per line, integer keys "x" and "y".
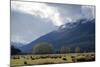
{"x": 72, "y": 56}
{"x": 64, "y": 59}
{"x": 32, "y": 58}
{"x": 25, "y": 62}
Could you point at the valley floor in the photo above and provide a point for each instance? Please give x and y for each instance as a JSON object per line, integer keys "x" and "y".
{"x": 22, "y": 60}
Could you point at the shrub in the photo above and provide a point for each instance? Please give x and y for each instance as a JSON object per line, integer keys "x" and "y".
{"x": 64, "y": 59}
{"x": 32, "y": 58}
{"x": 72, "y": 56}
{"x": 59, "y": 56}
{"x": 25, "y": 62}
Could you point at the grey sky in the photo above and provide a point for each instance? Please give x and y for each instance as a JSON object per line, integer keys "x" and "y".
{"x": 30, "y": 20}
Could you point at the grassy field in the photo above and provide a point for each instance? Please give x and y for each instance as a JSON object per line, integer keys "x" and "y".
{"x": 21, "y": 60}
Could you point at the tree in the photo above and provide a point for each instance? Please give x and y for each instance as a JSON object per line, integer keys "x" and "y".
{"x": 77, "y": 50}
{"x": 14, "y": 50}
{"x": 65, "y": 50}
{"x": 43, "y": 48}
{"x": 68, "y": 50}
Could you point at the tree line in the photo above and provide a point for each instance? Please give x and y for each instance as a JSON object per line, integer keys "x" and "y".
{"x": 46, "y": 48}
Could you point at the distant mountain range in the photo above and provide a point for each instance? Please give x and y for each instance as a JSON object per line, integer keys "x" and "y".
{"x": 17, "y": 45}
{"x": 76, "y": 34}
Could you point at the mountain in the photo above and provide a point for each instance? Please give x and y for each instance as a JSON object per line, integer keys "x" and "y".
{"x": 76, "y": 34}
{"x": 16, "y": 44}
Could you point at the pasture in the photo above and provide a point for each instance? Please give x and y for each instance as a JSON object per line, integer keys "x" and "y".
{"x": 21, "y": 60}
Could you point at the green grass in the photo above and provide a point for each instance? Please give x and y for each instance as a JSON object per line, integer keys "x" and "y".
{"x": 20, "y": 60}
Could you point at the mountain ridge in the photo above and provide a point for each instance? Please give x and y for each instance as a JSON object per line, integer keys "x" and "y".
{"x": 82, "y": 32}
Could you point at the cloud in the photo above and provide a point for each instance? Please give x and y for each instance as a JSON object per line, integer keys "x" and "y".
{"x": 39, "y": 9}
{"x": 88, "y": 12}
{"x": 27, "y": 27}
{"x": 31, "y": 20}
{"x": 17, "y": 38}
{"x": 51, "y": 13}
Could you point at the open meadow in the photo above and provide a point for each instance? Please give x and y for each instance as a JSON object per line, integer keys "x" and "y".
{"x": 21, "y": 60}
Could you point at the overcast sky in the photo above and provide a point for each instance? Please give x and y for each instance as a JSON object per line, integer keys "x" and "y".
{"x": 31, "y": 20}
